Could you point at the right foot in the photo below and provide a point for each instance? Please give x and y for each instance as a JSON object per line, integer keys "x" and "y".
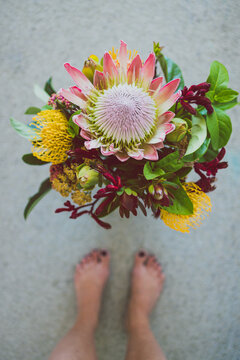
{"x": 90, "y": 277}
{"x": 147, "y": 283}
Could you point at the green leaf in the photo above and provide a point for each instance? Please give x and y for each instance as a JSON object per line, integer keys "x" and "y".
{"x": 227, "y": 105}
{"x": 23, "y": 129}
{"x": 32, "y": 110}
{"x": 40, "y": 93}
{"x": 45, "y": 187}
{"x": 183, "y": 172}
{"x": 170, "y": 69}
{"x": 218, "y": 77}
{"x": 209, "y": 155}
{"x": 198, "y": 134}
{"x": 49, "y": 88}
{"x": 199, "y": 153}
{"x": 32, "y": 160}
{"x": 73, "y": 128}
{"x": 174, "y": 72}
{"x": 225, "y": 95}
{"x": 182, "y": 205}
{"x": 220, "y": 128}
{"x": 47, "y": 107}
{"x": 168, "y": 164}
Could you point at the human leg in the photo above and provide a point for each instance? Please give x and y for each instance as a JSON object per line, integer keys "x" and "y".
{"x": 147, "y": 283}
{"x": 90, "y": 277}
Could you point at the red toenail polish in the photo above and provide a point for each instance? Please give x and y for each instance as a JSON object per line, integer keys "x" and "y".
{"x": 141, "y": 254}
{"x": 104, "y": 253}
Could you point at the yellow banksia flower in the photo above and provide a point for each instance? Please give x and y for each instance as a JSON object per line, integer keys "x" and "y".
{"x": 80, "y": 197}
{"x": 63, "y": 178}
{"x": 201, "y": 206}
{"x": 52, "y": 137}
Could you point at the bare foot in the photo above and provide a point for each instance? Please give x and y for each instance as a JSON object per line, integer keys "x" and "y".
{"x": 90, "y": 277}
{"x": 147, "y": 283}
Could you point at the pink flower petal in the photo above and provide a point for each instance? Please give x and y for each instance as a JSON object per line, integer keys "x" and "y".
{"x": 92, "y": 144}
{"x": 169, "y": 103}
{"x": 123, "y": 57}
{"x": 122, "y": 156}
{"x": 165, "y": 118}
{"x": 78, "y": 92}
{"x": 169, "y": 128}
{"x": 72, "y": 98}
{"x": 99, "y": 80}
{"x": 79, "y": 78}
{"x": 109, "y": 68}
{"x": 156, "y": 84}
{"x": 85, "y": 134}
{"x": 150, "y": 153}
{"x": 166, "y": 92}
{"x": 106, "y": 152}
{"x": 148, "y": 69}
{"x": 159, "y": 145}
{"x": 137, "y": 154}
{"x": 134, "y": 69}
{"x": 158, "y": 136}
{"x": 81, "y": 121}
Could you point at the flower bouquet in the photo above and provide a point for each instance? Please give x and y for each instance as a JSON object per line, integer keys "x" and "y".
{"x": 121, "y": 138}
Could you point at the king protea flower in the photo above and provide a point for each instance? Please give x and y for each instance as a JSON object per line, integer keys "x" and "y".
{"x": 124, "y": 112}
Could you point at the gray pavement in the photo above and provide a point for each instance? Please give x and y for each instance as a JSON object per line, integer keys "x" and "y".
{"x": 198, "y": 315}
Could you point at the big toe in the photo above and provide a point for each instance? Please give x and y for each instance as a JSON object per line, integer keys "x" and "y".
{"x": 141, "y": 257}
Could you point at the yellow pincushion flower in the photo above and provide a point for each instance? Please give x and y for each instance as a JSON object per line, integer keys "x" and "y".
{"x": 52, "y": 137}
{"x": 201, "y": 206}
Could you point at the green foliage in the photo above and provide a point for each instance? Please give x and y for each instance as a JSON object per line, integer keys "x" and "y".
{"x": 40, "y": 93}
{"x": 209, "y": 155}
{"x": 199, "y": 152}
{"x": 44, "y": 188}
{"x": 182, "y": 205}
{"x": 198, "y": 134}
{"x": 22, "y": 129}
{"x": 48, "y": 87}
{"x": 32, "y": 110}
{"x": 170, "y": 69}
{"x": 168, "y": 164}
{"x": 73, "y": 128}
{"x": 218, "y": 77}
{"x": 47, "y": 107}
{"x": 32, "y": 160}
{"x": 222, "y": 98}
{"x": 220, "y": 128}
{"x": 225, "y": 95}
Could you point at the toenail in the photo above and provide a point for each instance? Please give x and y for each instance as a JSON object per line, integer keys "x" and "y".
{"x": 104, "y": 253}
{"x": 141, "y": 253}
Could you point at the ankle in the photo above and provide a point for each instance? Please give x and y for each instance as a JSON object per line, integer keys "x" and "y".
{"x": 137, "y": 320}
{"x": 87, "y": 324}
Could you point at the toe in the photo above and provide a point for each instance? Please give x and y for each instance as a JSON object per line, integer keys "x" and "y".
{"x": 141, "y": 257}
{"x": 104, "y": 256}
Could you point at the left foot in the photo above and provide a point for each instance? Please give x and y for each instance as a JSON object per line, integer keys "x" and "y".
{"x": 90, "y": 278}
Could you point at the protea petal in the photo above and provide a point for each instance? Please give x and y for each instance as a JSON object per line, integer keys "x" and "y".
{"x": 92, "y": 144}
{"x": 109, "y": 68}
{"x": 79, "y": 78}
{"x": 156, "y": 85}
{"x": 169, "y": 102}
{"x": 137, "y": 154}
{"x": 99, "y": 80}
{"x": 123, "y": 57}
{"x": 106, "y": 151}
{"x": 75, "y": 90}
{"x": 85, "y": 134}
{"x": 165, "y": 118}
{"x": 150, "y": 153}
{"x": 122, "y": 156}
{"x": 81, "y": 121}
{"x": 166, "y": 92}
{"x": 148, "y": 69}
{"x": 72, "y": 98}
{"x": 134, "y": 70}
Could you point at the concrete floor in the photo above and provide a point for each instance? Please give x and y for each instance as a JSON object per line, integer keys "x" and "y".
{"x": 198, "y": 315}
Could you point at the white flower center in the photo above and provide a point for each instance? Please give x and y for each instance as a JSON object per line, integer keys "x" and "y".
{"x": 124, "y": 114}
